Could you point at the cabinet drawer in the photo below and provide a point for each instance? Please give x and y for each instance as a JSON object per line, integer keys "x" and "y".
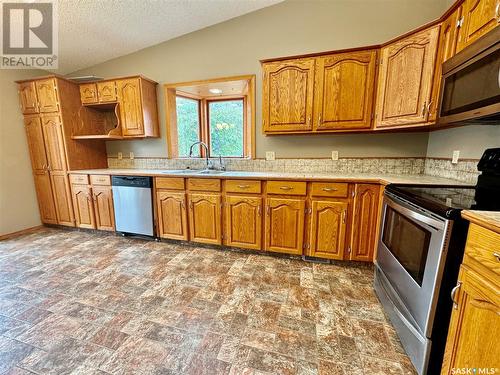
{"x": 482, "y": 245}
{"x": 99, "y": 179}
{"x": 243, "y": 186}
{"x": 81, "y": 179}
{"x": 174, "y": 183}
{"x": 329, "y": 189}
{"x": 203, "y": 184}
{"x": 286, "y": 187}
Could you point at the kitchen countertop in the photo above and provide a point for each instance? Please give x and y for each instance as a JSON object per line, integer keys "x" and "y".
{"x": 487, "y": 219}
{"x": 341, "y": 177}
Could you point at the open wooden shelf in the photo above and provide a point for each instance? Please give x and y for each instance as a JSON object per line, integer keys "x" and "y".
{"x": 98, "y": 121}
{"x": 97, "y": 136}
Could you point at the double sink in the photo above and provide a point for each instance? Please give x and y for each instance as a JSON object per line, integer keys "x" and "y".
{"x": 194, "y": 172}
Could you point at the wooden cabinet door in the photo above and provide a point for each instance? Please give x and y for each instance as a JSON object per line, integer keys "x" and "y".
{"x": 62, "y": 198}
{"x": 106, "y": 91}
{"x": 172, "y": 216}
{"x": 479, "y": 17}
{"x": 36, "y": 144}
{"x": 447, "y": 47}
{"x": 344, "y": 90}
{"x": 88, "y": 93}
{"x": 27, "y": 97}
{"x": 287, "y": 95}
{"x": 365, "y": 220}
{"x": 405, "y": 80}
{"x": 205, "y": 218}
{"x": 244, "y": 221}
{"x": 328, "y": 229}
{"x": 83, "y": 206}
{"x": 45, "y": 197}
{"x": 47, "y": 95}
{"x": 103, "y": 207}
{"x": 475, "y": 324}
{"x": 54, "y": 142}
{"x": 284, "y": 225}
{"x": 129, "y": 97}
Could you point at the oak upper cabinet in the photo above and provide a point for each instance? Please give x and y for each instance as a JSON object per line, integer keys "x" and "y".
{"x": 328, "y": 226}
{"x": 243, "y": 221}
{"x": 405, "y": 80}
{"x": 103, "y": 207}
{"x": 88, "y": 93}
{"x": 205, "y": 218}
{"x": 284, "y": 225}
{"x": 479, "y": 17}
{"x": 344, "y": 90}
{"x": 106, "y": 91}
{"x": 365, "y": 221}
{"x": 28, "y": 98}
{"x": 287, "y": 96}
{"x": 83, "y": 206}
{"x": 172, "y": 215}
{"x": 48, "y": 100}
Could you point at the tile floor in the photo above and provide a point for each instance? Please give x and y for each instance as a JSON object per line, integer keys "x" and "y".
{"x": 85, "y": 303}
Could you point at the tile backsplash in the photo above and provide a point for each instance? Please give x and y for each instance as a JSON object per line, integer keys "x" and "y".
{"x": 463, "y": 171}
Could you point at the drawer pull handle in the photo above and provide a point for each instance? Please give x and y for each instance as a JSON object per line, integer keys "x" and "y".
{"x": 286, "y": 187}
{"x": 329, "y": 189}
{"x": 453, "y": 294}
{"x": 497, "y": 255}
{"x": 242, "y": 186}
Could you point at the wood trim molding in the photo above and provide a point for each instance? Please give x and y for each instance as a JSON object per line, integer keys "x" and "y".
{"x": 20, "y": 232}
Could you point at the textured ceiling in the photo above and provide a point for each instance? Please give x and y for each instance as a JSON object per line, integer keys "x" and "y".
{"x": 94, "y": 31}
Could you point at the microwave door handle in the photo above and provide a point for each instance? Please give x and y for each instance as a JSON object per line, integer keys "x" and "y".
{"x": 438, "y": 225}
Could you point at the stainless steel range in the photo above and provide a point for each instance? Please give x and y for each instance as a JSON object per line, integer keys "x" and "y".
{"x": 420, "y": 250}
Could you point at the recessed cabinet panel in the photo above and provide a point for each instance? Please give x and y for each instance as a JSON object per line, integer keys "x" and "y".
{"x": 28, "y": 98}
{"x": 172, "y": 215}
{"x": 129, "y": 98}
{"x": 48, "y": 100}
{"x": 106, "y": 91}
{"x": 244, "y": 221}
{"x": 328, "y": 229}
{"x": 288, "y": 96}
{"x": 88, "y": 93}
{"x": 344, "y": 90}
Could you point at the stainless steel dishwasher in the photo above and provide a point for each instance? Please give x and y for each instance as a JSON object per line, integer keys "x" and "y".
{"x": 133, "y": 205}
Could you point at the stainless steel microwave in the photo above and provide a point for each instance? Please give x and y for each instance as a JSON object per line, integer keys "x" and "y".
{"x": 470, "y": 86}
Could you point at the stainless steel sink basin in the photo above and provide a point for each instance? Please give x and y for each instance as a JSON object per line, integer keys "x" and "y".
{"x": 180, "y": 171}
{"x": 210, "y": 171}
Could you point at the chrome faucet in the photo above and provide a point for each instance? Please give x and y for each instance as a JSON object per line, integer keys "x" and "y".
{"x": 209, "y": 164}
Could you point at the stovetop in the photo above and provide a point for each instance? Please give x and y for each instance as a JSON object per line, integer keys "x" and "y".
{"x": 446, "y": 201}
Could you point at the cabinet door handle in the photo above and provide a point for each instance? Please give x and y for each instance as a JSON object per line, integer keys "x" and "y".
{"x": 497, "y": 255}
{"x": 268, "y": 210}
{"x": 242, "y": 186}
{"x": 329, "y": 189}
{"x": 309, "y": 120}
{"x": 497, "y": 12}
{"x": 319, "y": 119}
{"x": 424, "y": 106}
{"x": 258, "y": 210}
{"x": 191, "y": 205}
{"x": 286, "y": 188}
{"x": 343, "y": 216}
{"x": 454, "y": 293}
{"x": 183, "y": 204}
{"x": 429, "y": 107}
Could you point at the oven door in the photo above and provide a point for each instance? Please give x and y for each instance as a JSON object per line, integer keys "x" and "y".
{"x": 411, "y": 253}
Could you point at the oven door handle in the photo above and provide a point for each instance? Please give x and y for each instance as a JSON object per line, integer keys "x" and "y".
{"x": 390, "y": 201}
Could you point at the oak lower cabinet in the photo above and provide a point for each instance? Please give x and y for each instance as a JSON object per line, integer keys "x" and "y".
{"x": 475, "y": 320}
{"x": 479, "y": 17}
{"x": 103, "y": 207}
{"x": 327, "y": 228}
{"x": 284, "y": 225}
{"x": 365, "y": 222}
{"x": 172, "y": 215}
{"x": 405, "y": 79}
{"x": 46, "y": 204}
{"x": 243, "y": 220}
{"x": 205, "y": 218}
{"x": 83, "y": 206}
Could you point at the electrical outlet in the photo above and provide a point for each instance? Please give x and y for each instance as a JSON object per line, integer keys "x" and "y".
{"x": 335, "y": 155}
{"x": 131, "y": 155}
{"x": 120, "y": 156}
{"x": 454, "y": 158}
{"x": 270, "y": 155}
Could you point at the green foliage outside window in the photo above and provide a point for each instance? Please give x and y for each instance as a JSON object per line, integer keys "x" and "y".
{"x": 188, "y": 126}
{"x": 226, "y": 128}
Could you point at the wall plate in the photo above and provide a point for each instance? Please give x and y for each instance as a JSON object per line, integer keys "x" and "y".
{"x": 270, "y": 155}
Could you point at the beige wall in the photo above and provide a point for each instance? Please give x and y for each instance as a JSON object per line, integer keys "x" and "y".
{"x": 18, "y": 205}
{"x": 292, "y": 27}
{"x": 470, "y": 140}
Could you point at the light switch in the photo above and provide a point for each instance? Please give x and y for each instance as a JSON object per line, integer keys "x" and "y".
{"x": 270, "y": 155}
{"x": 335, "y": 155}
{"x": 120, "y": 156}
{"x": 131, "y": 155}
{"x": 456, "y": 155}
